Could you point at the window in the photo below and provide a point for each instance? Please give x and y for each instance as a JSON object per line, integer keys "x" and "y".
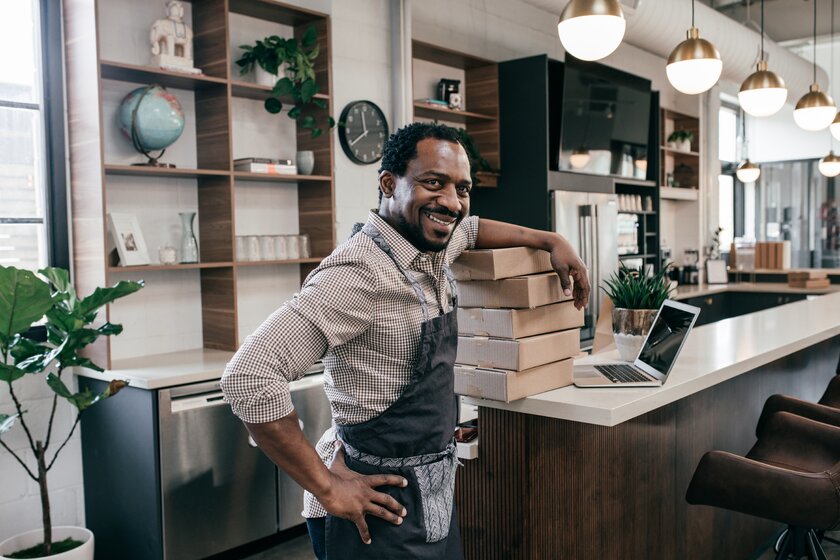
{"x": 33, "y": 223}
{"x": 730, "y": 190}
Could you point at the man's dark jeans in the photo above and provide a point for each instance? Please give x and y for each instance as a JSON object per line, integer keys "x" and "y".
{"x": 317, "y": 527}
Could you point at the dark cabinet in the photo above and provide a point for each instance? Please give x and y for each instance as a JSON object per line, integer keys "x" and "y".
{"x": 724, "y": 305}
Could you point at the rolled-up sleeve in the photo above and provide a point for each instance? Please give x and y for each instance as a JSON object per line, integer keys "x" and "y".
{"x": 464, "y": 237}
{"x": 335, "y": 305}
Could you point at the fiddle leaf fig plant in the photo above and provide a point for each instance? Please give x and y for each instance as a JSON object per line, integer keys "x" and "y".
{"x": 296, "y": 61}
{"x": 49, "y": 301}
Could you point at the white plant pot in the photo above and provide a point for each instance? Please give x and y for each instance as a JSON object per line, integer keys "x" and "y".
{"x": 684, "y": 145}
{"x": 32, "y": 538}
{"x": 263, "y": 78}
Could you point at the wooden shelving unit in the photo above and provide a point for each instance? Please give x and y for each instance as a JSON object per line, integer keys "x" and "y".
{"x": 480, "y": 117}
{"x": 683, "y": 166}
{"x": 93, "y": 67}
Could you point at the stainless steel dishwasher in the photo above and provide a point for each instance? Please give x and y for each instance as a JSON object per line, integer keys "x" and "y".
{"x": 218, "y": 492}
{"x": 313, "y": 410}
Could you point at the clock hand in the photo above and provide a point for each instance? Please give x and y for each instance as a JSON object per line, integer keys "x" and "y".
{"x": 364, "y": 126}
{"x": 359, "y": 137}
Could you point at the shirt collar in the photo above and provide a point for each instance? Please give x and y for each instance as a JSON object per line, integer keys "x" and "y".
{"x": 405, "y": 253}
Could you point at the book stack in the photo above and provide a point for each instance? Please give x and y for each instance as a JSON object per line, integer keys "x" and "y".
{"x": 808, "y": 279}
{"x": 774, "y": 255}
{"x": 265, "y": 165}
{"x": 517, "y": 331}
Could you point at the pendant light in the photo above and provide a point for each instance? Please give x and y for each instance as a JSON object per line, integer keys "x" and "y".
{"x": 747, "y": 172}
{"x": 763, "y": 93}
{"x": 830, "y": 165}
{"x": 815, "y": 110}
{"x": 579, "y": 158}
{"x": 694, "y": 65}
{"x": 591, "y": 29}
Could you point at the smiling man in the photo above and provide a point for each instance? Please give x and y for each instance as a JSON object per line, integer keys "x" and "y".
{"x": 380, "y": 312}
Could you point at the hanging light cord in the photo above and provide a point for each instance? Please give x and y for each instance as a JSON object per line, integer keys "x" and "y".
{"x": 692, "y": 13}
{"x": 815, "y": 41}
{"x": 761, "y": 56}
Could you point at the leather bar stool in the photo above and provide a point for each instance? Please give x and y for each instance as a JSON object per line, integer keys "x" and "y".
{"x": 795, "y": 456}
{"x": 826, "y": 410}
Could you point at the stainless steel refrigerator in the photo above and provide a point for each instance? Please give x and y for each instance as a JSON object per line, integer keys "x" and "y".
{"x": 590, "y": 222}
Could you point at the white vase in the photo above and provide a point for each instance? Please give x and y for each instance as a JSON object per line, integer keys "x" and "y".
{"x": 32, "y": 538}
{"x": 263, "y": 78}
{"x": 305, "y": 161}
{"x": 684, "y": 145}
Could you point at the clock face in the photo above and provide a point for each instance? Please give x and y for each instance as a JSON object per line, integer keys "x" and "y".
{"x": 364, "y": 132}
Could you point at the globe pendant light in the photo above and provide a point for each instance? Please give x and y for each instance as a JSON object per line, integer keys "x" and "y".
{"x": 815, "y": 110}
{"x": 834, "y": 127}
{"x": 579, "y": 158}
{"x": 694, "y": 65}
{"x": 830, "y": 165}
{"x": 763, "y": 92}
{"x": 591, "y": 29}
{"x": 748, "y": 172}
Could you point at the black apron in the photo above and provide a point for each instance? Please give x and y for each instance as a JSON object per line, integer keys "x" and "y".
{"x": 412, "y": 438}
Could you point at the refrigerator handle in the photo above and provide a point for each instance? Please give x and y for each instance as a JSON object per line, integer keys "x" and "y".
{"x": 595, "y": 301}
{"x": 587, "y": 252}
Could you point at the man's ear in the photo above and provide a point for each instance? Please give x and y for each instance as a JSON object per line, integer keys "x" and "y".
{"x": 387, "y": 183}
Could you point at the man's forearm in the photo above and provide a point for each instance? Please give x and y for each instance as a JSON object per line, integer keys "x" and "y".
{"x": 496, "y": 235}
{"x": 284, "y": 443}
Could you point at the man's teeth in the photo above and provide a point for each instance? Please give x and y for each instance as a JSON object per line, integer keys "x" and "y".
{"x": 438, "y": 220}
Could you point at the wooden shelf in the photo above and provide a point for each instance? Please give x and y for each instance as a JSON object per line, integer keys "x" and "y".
{"x": 175, "y": 172}
{"x": 250, "y": 90}
{"x": 123, "y": 72}
{"x": 272, "y": 178}
{"x": 639, "y": 212}
{"x": 638, "y": 256}
{"x": 271, "y": 10}
{"x": 445, "y": 114}
{"x": 156, "y": 267}
{"x": 674, "y": 193}
{"x": 674, "y": 152}
{"x": 310, "y": 260}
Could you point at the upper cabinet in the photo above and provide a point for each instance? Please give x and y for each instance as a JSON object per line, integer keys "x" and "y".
{"x": 679, "y": 173}
{"x": 478, "y": 88}
{"x": 258, "y": 234}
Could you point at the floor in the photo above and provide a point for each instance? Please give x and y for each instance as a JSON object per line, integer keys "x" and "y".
{"x": 299, "y": 548}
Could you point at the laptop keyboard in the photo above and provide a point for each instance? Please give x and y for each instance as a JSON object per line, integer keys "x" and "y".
{"x": 622, "y": 373}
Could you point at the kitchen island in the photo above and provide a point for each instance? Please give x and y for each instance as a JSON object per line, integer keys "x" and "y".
{"x": 602, "y": 473}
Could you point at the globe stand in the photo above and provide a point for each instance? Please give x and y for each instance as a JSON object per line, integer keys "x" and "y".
{"x": 135, "y": 137}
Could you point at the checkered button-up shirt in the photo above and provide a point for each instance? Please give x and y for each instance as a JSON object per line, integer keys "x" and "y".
{"x": 359, "y": 313}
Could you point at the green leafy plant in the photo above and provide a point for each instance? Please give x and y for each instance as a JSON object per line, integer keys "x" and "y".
{"x": 630, "y": 288}
{"x": 680, "y": 135}
{"x": 25, "y": 300}
{"x": 296, "y": 59}
{"x": 477, "y": 162}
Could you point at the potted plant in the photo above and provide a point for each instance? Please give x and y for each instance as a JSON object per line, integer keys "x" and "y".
{"x": 482, "y": 173}
{"x": 636, "y": 297}
{"x": 295, "y": 60}
{"x": 26, "y": 300}
{"x": 681, "y": 140}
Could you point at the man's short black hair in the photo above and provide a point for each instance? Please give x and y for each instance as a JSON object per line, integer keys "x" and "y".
{"x": 401, "y": 146}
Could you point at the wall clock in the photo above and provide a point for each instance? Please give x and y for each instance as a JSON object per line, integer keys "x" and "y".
{"x": 363, "y": 132}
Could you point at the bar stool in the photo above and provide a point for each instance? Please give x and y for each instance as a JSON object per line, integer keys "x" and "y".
{"x": 795, "y": 456}
{"x": 826, "y": 410}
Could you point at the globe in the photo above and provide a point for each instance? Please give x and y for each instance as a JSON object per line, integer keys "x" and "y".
{"x": 159, "y": 119}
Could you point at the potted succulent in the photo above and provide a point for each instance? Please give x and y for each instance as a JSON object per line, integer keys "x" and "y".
{"x": 681, "y": 140}
{"x": 29, "y": 304}
{"x": 289, "y": 64}
{"x": 636, "y": 297}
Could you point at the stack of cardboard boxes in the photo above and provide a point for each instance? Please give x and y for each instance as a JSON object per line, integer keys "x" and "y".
{"x": 808, "y": 279}
{"x": 517, "y": 331}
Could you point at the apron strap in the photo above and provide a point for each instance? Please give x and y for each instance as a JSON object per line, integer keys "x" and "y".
{"x": 453, "y": 286}
{"x": 386, "y": 248}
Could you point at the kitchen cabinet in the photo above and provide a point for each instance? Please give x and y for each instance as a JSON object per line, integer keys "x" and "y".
{"x": 716, "y": 307}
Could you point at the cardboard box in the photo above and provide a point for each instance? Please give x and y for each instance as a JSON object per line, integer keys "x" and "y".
{"x": 495, "y": 264}
{"x": 813, "y": 274}
{"x": 519, "y": 323}
{"x": 517, "y": 355}
{"x": 504, "y": 385}
{"x": 522, "y": 292}
{"x": 813, "y": 283}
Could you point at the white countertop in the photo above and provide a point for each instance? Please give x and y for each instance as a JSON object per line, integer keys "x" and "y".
{"x": 166, "y": 370}
{"x": 712, "y": 354}
{"x": 689, "y": 291}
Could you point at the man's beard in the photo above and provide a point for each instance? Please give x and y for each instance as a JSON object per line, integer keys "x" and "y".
{"x": 414, "y": 232}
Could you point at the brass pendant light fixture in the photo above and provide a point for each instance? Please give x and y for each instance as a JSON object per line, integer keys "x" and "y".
{"x": 815, "y": 110}
{"x": 763, "y": 93}
{"x": 747, "y": 172}
{"x": 694, "y": 65}
{"x": 591, "y": 29}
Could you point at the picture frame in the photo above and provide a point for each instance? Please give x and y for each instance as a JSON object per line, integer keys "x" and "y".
{"x": 128, "y": 239}
{"x": 716, "y": 272}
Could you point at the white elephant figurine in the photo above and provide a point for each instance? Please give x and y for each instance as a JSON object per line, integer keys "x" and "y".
{"x": 171, "y": 40}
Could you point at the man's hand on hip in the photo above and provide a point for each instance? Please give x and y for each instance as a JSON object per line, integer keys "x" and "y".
{"x": 352, "y": 496}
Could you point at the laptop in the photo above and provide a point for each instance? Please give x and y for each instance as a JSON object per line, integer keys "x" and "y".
{"x": 656, "y": 358}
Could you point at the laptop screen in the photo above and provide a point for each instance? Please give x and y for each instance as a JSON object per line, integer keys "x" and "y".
{"x": 666, "y": 338}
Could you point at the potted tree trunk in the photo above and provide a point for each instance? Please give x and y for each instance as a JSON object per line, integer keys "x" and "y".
{"x": 29, "y": 304}
{"x": 636, "y": 298}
